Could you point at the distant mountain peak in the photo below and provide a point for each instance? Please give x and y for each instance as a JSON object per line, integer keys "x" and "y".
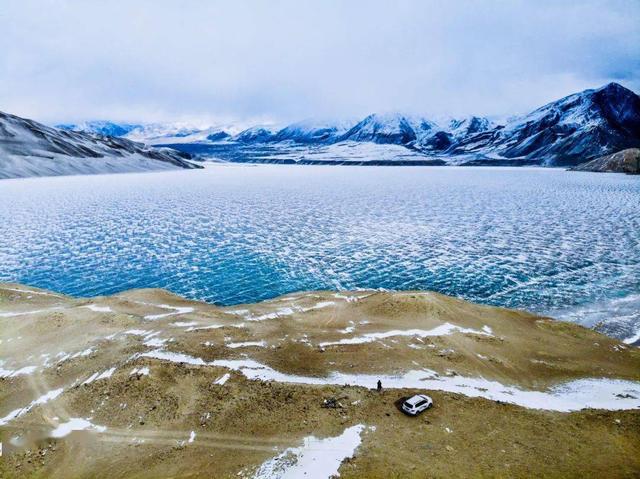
{"x": 615, "y": 87}
{"x": 255, "y": 134}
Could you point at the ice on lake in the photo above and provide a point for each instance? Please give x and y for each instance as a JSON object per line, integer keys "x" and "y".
{"x": 551, "y": 241}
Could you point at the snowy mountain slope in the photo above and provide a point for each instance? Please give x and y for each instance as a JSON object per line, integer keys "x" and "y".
{"x": 569, "y": 131}
{"x": 28, "y": 148}
{"x": 464, "y": 127}
{"x": 256, "y": 134}
{"x": 313, "y": 132}
{"x": 151, "y": 133}
{"x": 98, "y": 127}
{"x": 144, "y": 132}
{"x": 391, "y": 128}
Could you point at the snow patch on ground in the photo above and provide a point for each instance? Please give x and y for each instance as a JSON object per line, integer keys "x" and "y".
{"x": 245, "y": 344}
{"x": 97, "y": 376}
{"x": 287, "y": 311}
{"x": 175, "y": 310}
{"x": 183, "y": 324}
{"x": 148, "y": 336}
{"x": 11, "y": 314}
{"x": 348, "y": 299}
{"x": 442, "y": 330}
{"x": 173, "y": 357}
{"x": 98, "y": 309}
{"x": 315, "y": 459}
{"x": 348, "y": 329}
{"x": 215, "y": 326}
{"x": 222, "y": 379}
{"x": 75, "y": 424}
{"x": 155, "y": 342}
{"x": 137, "y": 332}
{"x": 86, "y": 352}
{"x": 36, "y": 402}
{"x": 6, "y": 373}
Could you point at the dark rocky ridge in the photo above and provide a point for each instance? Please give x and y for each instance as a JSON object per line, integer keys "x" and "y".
{"x": 625, "y": 161}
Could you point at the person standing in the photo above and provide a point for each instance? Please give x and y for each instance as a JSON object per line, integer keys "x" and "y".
{"x": 379, "y": 385}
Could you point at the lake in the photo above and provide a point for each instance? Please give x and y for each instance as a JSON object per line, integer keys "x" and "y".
{"x": 546, "y": 240}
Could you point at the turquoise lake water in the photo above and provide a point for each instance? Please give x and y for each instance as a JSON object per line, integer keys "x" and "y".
{"x": 545, "y": 240}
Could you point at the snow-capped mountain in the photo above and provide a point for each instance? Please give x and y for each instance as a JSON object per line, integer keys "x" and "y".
{"x": 142, "y": 132}
{"x": 256, "y": 134}
{"x": 152, "y": 133}
{"x": 392, "y": 128}
{"x": 28, "y": 148}
{"x": 569, "y": 131}
{"x": 464, "y": 127}
{"x": 313, "y": 132}
{"x": 106, "y": 128}
{"x": 444, "y": 133}
{"x": 218, "y": 136}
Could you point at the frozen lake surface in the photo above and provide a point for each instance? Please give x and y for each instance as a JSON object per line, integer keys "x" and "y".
{"x": 546, "y": 240}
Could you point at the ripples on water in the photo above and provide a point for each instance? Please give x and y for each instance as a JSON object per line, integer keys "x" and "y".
{"x": 549, "y": 241}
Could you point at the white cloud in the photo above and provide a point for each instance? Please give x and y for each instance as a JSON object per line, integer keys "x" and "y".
{"x": 193, "y": 60}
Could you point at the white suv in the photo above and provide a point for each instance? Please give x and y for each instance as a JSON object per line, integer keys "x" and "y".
{"x": 416, "y": 404}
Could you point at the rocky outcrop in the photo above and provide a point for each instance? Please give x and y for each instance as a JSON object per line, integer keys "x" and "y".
{"x": 625, "y": 161}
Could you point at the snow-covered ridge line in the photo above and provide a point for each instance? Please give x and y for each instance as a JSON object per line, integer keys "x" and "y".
{"x": 286, "y": 311}
{"x": 596, "y": 393}
{"x": 175, "y": 310}
{"x": 442, "y": 330}
{"x": 29, "y": 291}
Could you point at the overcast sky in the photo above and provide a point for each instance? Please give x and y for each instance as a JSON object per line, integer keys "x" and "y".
{"x": 205, "y": 60}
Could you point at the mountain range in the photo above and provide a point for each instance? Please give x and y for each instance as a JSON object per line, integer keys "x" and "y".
{"x": 573, "y": 130}
{"x": 566, "y": 132}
